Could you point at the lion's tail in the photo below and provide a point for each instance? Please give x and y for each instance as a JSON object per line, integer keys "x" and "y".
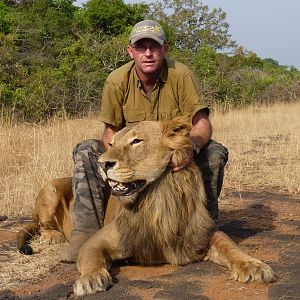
{"x": 25, "y": 235}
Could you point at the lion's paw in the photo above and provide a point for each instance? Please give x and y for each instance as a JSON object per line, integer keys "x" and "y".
{"x": 52, "y": 237}
{"x": 87, "y": 284}
{"x": 251, "y": 270}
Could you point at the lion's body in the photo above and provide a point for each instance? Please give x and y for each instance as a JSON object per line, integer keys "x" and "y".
{"x": 52, "y": 213}
{"x": 157, "y": 216}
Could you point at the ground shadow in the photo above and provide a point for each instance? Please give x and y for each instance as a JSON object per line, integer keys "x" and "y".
{"x": 252, "y": 219}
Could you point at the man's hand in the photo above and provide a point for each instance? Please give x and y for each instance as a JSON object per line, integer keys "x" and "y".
{"x": 200, "y": 135}
{"x": 184, "y": 163}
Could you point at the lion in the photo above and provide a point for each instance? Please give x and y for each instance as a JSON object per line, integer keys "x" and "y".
{"x": 155, "y": 216}
{"x": 160, "y": 215}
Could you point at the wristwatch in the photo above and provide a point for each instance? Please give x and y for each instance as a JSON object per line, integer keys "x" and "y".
{"x": 197, "y": 148}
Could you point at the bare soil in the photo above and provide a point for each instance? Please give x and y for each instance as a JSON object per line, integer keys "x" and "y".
{"x": 264, "y": 223}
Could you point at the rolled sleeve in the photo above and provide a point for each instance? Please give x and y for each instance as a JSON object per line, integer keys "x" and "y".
{"x": 111, "y": 111}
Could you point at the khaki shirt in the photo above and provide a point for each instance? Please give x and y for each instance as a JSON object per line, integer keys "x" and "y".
{"x": 176, "y": 93}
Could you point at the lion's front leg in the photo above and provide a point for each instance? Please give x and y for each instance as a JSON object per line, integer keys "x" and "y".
{"x": 243, "y": 267}
{"x": 94, "y": 261}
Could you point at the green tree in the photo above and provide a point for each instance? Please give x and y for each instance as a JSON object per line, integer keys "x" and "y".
{"x": 114, "y": 16}
{"x": 193, "y": 24}
{"x": 6, "y": 18}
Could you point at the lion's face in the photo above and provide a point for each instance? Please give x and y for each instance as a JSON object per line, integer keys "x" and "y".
{"x": 141, "y": 153}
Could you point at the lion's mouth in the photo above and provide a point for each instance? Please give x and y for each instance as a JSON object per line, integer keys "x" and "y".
{"x": 125, "y": 188}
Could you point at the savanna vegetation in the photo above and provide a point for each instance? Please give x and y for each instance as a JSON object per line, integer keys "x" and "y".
{"x": 54, "y": 56}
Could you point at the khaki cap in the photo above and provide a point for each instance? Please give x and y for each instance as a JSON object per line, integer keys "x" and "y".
{"x": 147, "y": 29}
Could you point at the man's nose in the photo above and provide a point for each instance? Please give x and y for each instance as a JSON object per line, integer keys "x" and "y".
{"x": 148, "y": 51}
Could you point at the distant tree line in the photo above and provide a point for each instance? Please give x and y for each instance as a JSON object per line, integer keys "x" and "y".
{"x": 55, "y": 57}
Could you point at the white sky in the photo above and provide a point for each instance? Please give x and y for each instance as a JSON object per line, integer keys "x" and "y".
{"x": 270, "y": 28}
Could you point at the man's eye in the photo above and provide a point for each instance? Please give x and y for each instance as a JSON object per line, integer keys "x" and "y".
{"x": 140, "y": 49}
{"x": 136, "y": 141}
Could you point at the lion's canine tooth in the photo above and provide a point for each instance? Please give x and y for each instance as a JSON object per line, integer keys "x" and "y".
{"x": 112, "y": 183}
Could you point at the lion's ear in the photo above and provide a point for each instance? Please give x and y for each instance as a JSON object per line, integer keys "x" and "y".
{"x": 180, "y": 126}
{"x": 176, "y": 136}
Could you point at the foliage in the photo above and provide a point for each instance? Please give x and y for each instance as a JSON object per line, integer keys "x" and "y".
{"x": 6, "y": 18}
{"x": 55, "y": 57}
{"x": 114, "y": 16}
{"x": 241, "y": 80}
{"x": 53, "y": 64}
{"x": 193, "y": 24}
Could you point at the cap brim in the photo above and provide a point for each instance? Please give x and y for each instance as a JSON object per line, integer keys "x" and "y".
{"x": 147, "y": 36}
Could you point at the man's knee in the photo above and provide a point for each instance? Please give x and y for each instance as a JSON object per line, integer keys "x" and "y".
{"x": 90, "y": 190}
{"x": 94, "y": 146}
{"x": 215, "y": 154}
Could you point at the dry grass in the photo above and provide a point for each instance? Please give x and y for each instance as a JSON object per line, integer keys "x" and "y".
{"x": 18, "y": 269}
{"x": 34, "y": 154}
{"x": 264, "y": 146}
{"x": 264, "y": 154}
{"x": 263, "y": 143}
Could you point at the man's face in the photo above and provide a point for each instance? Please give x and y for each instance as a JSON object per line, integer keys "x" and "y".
{"x": 148, "y": 56}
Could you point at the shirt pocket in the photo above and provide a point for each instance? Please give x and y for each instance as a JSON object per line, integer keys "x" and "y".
{"x": 168, "y": 115}
{"x": 134, "y": 115}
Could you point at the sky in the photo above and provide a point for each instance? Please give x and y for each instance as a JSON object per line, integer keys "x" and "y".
{"x": 270, "y": 28}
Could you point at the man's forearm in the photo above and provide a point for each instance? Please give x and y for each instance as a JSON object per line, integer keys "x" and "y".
{"x": 108, "y": 134}
{"x": 202, "y": 129}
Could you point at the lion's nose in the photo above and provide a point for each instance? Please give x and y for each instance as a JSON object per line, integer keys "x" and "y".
{"x": 106, "y": 165}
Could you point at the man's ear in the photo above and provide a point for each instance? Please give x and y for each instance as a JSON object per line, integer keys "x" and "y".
{"x": 166, "y": 48}
{"x": 129, "y": 51}
{"x": 176, "y": 136}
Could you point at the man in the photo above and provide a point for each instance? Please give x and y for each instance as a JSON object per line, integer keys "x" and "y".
{"x": 150, "y": 87}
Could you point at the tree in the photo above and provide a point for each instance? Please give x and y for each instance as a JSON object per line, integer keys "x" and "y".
{"x": 114, "y": 16}
{"x": 6, "y": 18}
{"x": 193, "y": 24}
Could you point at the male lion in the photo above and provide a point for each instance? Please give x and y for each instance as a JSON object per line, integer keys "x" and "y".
{"x": 161, "y": 216}
{"x": 156, "y": 215}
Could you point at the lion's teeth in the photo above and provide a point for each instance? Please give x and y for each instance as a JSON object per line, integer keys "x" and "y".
{"x": 112, "y": 183}
{"x": 117, "y": 185}
{"x": 121, "y": 186}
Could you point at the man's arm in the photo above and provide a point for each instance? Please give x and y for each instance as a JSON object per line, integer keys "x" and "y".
{"x": 202, "y": 129}
{"x": 108, "y": 134}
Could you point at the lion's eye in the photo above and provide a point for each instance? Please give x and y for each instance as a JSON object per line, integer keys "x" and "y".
{"x": 136, "y": 141}
{"x": 109, "y": 145}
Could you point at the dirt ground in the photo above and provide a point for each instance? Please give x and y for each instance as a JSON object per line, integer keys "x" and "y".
{"x": 265, "y": 224}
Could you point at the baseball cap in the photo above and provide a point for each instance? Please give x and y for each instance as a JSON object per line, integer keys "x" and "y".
{"x": 147, "y": 29}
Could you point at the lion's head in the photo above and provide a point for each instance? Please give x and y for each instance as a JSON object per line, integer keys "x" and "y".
{"x": 141, "y": 153}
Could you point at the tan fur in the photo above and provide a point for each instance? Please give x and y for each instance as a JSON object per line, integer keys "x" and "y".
{"x": 52, "y": 214}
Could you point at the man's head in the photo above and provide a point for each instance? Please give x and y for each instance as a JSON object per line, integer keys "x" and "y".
{"x": 148, "y": 47}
